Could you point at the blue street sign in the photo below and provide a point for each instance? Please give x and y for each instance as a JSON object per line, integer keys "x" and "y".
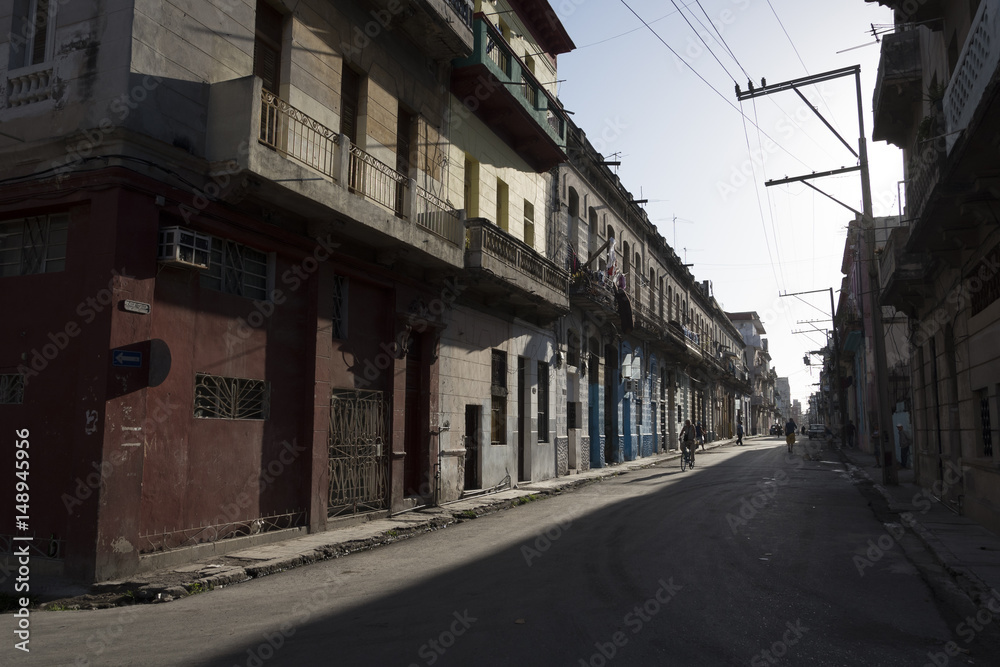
{"x": 127, "y": 358}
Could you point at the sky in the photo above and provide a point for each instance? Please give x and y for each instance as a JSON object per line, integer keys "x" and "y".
{"x": 685, "y": 146}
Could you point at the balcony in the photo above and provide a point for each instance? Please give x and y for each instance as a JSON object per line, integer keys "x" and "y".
{"x": 915, "y": 11}
{"x": 901, "y": 276}
{"x": 924, "y": 166}
{"x": 976, "y": 66}
{"x": 497, "y": 86}
{"x": 442, "y": 29}
{"x": 897, "y": 87}
{"x": 301, "y": 165}
{"x": 513, "y": 273}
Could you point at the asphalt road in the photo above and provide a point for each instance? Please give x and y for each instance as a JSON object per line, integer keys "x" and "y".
{"x": 752, "y": 558}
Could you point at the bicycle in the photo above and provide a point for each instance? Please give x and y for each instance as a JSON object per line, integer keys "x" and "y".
{"x": 687, "y": 458}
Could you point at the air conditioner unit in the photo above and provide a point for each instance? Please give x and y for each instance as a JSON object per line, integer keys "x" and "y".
{"x": 183, "y": 247}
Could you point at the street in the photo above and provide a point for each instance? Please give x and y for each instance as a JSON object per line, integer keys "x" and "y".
{"x": 754, "y": 558}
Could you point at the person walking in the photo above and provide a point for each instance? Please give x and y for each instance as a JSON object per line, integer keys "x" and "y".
{"x": 852, "y": 433}
{"x": 739, "y": 434}
{"x": 699, "y": 435}
{"x": 904, "y": 447}
{"x": 790, "y": 428}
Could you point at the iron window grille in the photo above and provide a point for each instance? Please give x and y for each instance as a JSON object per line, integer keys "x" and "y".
{"x": 498, "y": 398}
{"x": 543, "y": 402}
{"x": 237, "y": 269}
{"x": 33, "y": 245}
{"x": 339, "y": 314}
{"x": 986, "y": 423}
{"x": 217, "y": 397}
{"x": 11, "y": 389}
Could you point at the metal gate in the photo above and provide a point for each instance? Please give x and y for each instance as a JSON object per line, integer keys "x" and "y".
{"x": 359, "y": 457}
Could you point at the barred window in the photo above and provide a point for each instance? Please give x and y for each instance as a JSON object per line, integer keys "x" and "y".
{"x": 11, "y": 389}
{"x": 339, "y": 315}
{"x": 30, "y": 36}
{"x": 217, "y": 397}
{"x": 498, "y": 398}
{"x": 543, "y": 402}
{"x": 986, "y": 423}
{"x": 571, "y": 417}
{"x": 237, "y": 269}
{"x": 33, "y": 245}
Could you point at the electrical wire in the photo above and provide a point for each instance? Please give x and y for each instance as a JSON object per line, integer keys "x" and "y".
{"x": 698, "y": 35}
{"x": 714, "y": 89}
{"x": 770, "y": 257}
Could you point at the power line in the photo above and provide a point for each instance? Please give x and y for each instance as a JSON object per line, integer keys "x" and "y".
{"x": 756, "y": 190}
{"x": 721, "y": 38}
{"x": 698, "y": 34}
{"x": 714, "y": 89}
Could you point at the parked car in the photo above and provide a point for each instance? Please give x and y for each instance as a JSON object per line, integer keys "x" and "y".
{"x": 816, "y": 431}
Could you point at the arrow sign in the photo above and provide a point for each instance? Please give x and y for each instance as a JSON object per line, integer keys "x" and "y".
{"x": 126, "y": 358}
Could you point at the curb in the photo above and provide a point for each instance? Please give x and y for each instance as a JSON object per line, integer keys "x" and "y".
{"x": 197, "y": 578}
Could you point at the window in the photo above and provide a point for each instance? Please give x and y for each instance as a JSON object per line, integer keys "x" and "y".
{"x": 543, "y": 402}
{"x": 217, "y": 397}
{"x": 471, "y": 187}
{"x": 237, "y": 269}
{"x": 502, "y": 212}
{"x": 11, "y": 389}
{"x": 529, "y": 223}
{"x": 339, "y": 314}
{"x": 498, "y": 398}
{"x": 571, "y": 416}
{"x": 31, "y": 36}
{"x": 985, "y": 423}
{"x": 267, "y": 46}
{"x": 572, "y": 348}
{"x": 33, "y": 245}
{"x": 350, "y": 102}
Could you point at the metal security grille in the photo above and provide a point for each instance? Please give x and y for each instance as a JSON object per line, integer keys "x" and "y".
{"x": 218, "y": 397}
{"x": 984, "y": 414}
{"x": 11, "y": 388}
{"x": 237, "y": 269}
{"x": 543, "y": 402}
{"x": 358, "y": 444}
{"x": 338, "y": 318}
{"x": 498, "y": 398}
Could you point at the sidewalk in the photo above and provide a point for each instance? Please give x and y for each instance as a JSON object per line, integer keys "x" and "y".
{"x": 359, "y": 535}
{"x": 966, "y": 551}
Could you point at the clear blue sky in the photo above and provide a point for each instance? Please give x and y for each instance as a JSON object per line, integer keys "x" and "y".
{"x": 685, "y": 147}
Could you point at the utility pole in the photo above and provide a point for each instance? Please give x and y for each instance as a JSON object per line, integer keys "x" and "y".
{"x": 889, "y": 473}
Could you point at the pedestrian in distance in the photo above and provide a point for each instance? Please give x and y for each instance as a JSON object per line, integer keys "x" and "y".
{"x": 699, "y": 434}
{"x": 904, "y": 447}
{"x": 852, "y": 433}
{"x": 687, "y": 440}
{"x": 739, "y": 434}
{"x": 790, "y": 428}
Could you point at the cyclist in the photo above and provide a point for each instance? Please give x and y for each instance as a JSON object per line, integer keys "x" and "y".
{"x": 688, "y": 444}
{"x": 790, "y": 428}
